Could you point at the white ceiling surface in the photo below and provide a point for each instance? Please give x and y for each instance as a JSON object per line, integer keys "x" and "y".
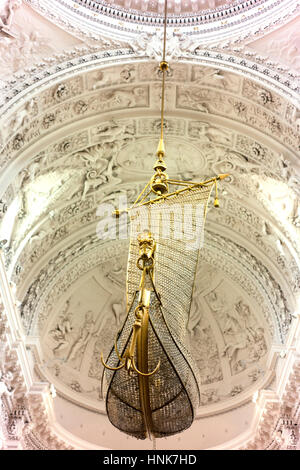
{"x": 79, "y": 127}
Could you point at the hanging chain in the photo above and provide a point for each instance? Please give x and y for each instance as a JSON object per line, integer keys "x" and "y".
{"x": 163, "y": 67}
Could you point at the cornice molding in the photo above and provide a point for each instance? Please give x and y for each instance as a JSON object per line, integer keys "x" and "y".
{"x": 244, "y": 21}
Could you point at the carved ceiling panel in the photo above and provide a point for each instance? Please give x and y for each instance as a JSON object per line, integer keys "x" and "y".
{"x": 90, "y": 139}
{"x": 226, "y": 94}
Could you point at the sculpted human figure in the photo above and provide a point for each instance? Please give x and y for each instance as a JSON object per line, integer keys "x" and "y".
{"x": 259, "y": 346}
{"x": 107, "y": 77}
{"x": 7, "y": 12}
{"x": 235, "y": 325}
{"x": 85, "y": 334}
{"x": 237, "y": 337}
{"x": 21, "y": 118}
{"x": 113, "y": 131}
{"x": 119, "y": 311}
{"x": 234, "y": 344}
{"x": 124, "y": 98}
{"x": 191, "y": 98}
{"x": 244, "y": 317}
{"x": 210, "y": 133}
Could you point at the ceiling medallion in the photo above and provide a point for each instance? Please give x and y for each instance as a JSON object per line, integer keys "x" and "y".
{"x": 152, "y": 389}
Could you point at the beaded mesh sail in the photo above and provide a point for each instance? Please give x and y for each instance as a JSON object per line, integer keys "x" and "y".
{"x": 164, "y": 403}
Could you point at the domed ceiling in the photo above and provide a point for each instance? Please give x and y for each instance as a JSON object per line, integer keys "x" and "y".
{"x": 206, "y": 21}
{"x": 83, "y": 133}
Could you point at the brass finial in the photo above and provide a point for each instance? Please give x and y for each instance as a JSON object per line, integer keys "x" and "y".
{"x": 223, "y": 176}
{"x": 163, "y": 65}
{"x": 160, "y": 152}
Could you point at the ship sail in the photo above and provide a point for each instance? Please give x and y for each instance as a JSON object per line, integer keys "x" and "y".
{"x": 152, "y": 383}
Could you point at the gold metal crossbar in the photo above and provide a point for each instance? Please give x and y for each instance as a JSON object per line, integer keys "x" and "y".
{"x": 188, "y": 186}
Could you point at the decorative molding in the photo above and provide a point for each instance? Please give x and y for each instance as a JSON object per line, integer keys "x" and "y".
{"x": 60, "y": 67}
{"x": 55, "y": 249}
{"x": 256, "y": 19}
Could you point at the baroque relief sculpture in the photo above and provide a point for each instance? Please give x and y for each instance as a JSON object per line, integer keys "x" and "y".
{"x": 7, "y": 10}
{"x": 244, "y": 340}
{"x": 74, "y": 141}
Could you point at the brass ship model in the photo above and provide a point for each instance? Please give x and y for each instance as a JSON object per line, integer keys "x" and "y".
{"x": 152, "y": 383}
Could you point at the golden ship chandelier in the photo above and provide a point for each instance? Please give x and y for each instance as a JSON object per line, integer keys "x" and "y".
{"x": 152, "y": 388}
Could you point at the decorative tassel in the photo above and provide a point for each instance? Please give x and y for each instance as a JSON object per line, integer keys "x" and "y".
{"x": 216, "y": 203}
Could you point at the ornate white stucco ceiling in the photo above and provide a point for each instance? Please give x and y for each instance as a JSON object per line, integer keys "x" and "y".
{"x": 90, "y": 138}
{"x": 81, "y": 130}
